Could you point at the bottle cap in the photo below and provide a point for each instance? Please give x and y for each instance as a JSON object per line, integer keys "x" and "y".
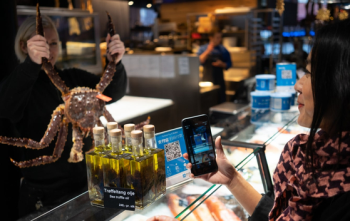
{"x": 136, "y": 134}
{"x": 115, "y": 132}
{"x": 148, "y": 128}
{"x": 112, "y": 125}
{"x": 129, "y": 127}
{"x": 98, "y": 130}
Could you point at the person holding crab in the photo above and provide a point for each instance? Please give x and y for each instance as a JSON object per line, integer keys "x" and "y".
{"x": 28, "y": 99}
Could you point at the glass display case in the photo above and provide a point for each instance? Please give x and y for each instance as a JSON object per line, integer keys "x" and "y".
{"x": 242, "y": 141}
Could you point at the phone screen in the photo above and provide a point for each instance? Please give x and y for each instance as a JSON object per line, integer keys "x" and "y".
{"x": 200, "y": 146}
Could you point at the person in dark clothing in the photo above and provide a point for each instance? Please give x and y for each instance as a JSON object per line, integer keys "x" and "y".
{"x": 311, "y": 180}
{"x": 28, "y": 99}
{"x": 215, "y": 58}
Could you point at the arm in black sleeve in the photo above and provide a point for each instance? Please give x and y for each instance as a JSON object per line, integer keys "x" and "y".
{"x": 15, "y": 90}
{"x": 263, "y": 208}
{"x": 116, "y": 89}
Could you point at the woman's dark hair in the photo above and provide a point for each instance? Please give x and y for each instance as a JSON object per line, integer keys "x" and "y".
{"x": 330, "y": 80}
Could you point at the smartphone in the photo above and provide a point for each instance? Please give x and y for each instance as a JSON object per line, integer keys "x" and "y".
{"x": 199, "y": 144}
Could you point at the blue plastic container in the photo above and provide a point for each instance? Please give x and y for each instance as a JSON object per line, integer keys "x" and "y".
{"x": 260, "y": 99}
{"x": 292, "y": 99}
{"x": 259, "y": 115}
{"x": 265, "y": 82}
{"x": 280, "y": 101}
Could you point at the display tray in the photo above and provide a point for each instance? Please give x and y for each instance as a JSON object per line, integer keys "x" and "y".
{"x": 253, "y": 149}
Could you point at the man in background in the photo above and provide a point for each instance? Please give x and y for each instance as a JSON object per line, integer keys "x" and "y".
{"x": 215, "y": 58}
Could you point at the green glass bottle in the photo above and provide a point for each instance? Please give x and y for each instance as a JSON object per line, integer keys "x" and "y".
{"x": 110, "y": 126}
{"x": 94, "y": 167}
{"x": 113, "y": 163}
{"x": 140, "y": 173}
{"x": 127, "y": 131}
{"x": 158, "y": 159}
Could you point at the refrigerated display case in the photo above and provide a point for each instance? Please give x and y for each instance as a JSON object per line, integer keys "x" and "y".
{"x": 254, "y": 150}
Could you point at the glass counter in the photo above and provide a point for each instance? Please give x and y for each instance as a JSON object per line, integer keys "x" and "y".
{"x": 242, "y": 140}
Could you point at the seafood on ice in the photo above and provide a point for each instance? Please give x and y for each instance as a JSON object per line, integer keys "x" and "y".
{"x": 211, "y": 210}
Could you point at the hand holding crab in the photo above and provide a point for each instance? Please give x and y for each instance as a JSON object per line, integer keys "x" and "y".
{"x": 114, "y": 47}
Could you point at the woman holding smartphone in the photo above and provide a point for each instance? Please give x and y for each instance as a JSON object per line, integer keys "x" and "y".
{"x": 312, "y": 178}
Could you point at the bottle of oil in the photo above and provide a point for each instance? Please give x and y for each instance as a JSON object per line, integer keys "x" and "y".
{"x": 127, "y": 130}
{"x": 140, "y": 173}
{"x": 158, "y": 159}
{"x": 94, "y": 168}
{"x": 110, "y": 126}
{"x": 113, "y": 163}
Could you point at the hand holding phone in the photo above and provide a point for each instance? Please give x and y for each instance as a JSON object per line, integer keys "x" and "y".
{"x": 226, "y": 171}
{"x": 199, "y": 144}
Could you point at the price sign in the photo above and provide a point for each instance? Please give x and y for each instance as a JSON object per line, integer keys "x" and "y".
{"x": 119, "y": 198}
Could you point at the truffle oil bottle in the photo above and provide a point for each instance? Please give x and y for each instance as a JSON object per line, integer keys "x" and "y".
{"x": 140, "y": 173}
{"x": 94, "y": 168}
{"x": 127, "y": 130}
{"x": 110, "y": 126}
{"x": 113, "y": 163}
{"x": 158, "y": 159}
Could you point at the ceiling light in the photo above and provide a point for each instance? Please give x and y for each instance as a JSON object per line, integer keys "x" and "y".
{"x": 131, "y": 2}
{"x": 149, "y": 5}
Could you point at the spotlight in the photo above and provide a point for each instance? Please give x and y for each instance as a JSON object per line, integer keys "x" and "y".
{"x": 149, "y": 5}
{"x": 131, "y": 2}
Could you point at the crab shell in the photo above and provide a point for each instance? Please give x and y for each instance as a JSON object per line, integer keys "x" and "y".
{"x": 83, "y": 107}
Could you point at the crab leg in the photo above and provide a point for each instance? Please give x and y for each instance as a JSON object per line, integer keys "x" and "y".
{"x": 47, "y": 66}
{"x": 107, "y": 115}
{"x": 49, "y": 135}
{"x": 143, "y": 123}
{"x": 76, "y": 153}
{"x": 107, "y": 76}
{"x": 61, "y": 140}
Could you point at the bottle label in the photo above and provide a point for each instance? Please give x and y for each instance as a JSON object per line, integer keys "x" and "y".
{"x": 119, "y": 198}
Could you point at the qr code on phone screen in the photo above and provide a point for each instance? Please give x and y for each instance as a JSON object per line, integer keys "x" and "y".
{"x": 172, "y": 150}
{"x": 286, "y": 74}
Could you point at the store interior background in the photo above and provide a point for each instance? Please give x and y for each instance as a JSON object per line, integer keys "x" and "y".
{"x": 256, "y": 36}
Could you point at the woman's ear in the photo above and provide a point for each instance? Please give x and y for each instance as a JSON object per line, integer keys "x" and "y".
{"x": 23, "y": 46}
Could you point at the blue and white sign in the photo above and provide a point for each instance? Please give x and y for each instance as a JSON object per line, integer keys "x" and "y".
{"x": 286, "y": 76}
{"x": 174, "y": 146}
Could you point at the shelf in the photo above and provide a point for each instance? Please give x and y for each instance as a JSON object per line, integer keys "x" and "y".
{"x": 234, "y": 32}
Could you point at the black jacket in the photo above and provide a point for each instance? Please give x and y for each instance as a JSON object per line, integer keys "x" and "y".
{"x": 28, "y": 99}
{"x": 334, "y": 208}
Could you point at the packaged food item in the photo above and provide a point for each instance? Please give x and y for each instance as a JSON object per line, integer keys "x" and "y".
{"x": 94, "y": 167}
{"x": 219, "y": 210}
{"x": 110, "y": 126}
{"x": 139, "y": 172}
{"x": 265, "y": 82}
{"x": 260, "y": 99}
{"x": 158, "y": 159}
{"x": 177, "y": 205}
{"x": 202, "y": 212}
{"x": 114, "y": 174}
{"x": 127, "y": 131}
{"x": 280, "y": 101}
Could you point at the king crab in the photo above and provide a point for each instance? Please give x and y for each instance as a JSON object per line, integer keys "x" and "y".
{"x": 81, "y": 108}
